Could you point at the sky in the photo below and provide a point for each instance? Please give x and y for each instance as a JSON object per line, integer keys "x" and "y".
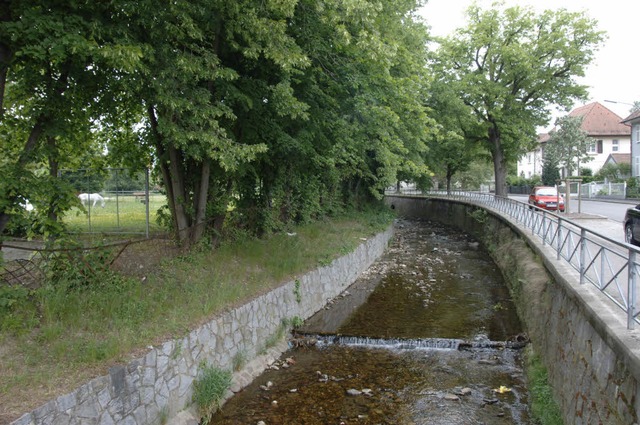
{"x": 611, "y": 74}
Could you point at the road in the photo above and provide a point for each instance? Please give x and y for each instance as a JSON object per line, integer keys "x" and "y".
{"x": 613, "y": 210}
{"x": 603, "y": 217}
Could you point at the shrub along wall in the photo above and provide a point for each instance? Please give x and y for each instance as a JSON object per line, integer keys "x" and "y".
{"x": 155, "y": 388}
{"x": 591, "y": 357}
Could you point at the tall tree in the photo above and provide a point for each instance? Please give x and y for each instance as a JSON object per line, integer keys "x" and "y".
{"x": 569, "y": 144}
{"x": 196, "y": 81}
{"x": 508, "y": 65}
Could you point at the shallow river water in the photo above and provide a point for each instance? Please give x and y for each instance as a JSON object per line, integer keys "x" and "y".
{"x": 427, "y": 335}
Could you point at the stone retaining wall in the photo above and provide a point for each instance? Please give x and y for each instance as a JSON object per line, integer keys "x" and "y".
{"x": 592, "y": 359}
{"x": 157, "y": 387}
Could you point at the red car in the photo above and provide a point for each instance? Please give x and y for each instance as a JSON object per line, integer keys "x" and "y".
{"x": 546, "y": 197}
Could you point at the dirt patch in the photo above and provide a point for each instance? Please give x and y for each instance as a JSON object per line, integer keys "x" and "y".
{"x": 141, "y": 258}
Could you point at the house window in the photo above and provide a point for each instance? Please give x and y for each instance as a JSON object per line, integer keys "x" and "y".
{"x": 595, "y": 147}
{"x": 636, "y": 130}
{"x": 529, "y": 157}
{"x": 615, "y": 145}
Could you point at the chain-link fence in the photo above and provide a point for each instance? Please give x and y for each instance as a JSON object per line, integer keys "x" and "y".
{"x": 117, "y": 204}
{"x": 113, "y": 201}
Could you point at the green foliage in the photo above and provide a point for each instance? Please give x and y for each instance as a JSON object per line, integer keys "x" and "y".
{"x": 499, "y": 66}
{"x": 209, "y": 389}
{"x": 550, "y": 171}
{"x": 535, "y": 180}
{"x": 480, "y": 215}
{"x": 614, "y": 173}
{"x": 568, "y": 146}
{"x": 477, "y": 173}
{"x": 75, "y": 268}
{"x": 18, "y": 311}
{"x": 633, "y": 188}
{"x": 297, "y": 292}
{"x": 288, "y": 110}
{"x": 543, "y": 406}
{"x": 125, "y": 180}
{"x": 296, "y": 322}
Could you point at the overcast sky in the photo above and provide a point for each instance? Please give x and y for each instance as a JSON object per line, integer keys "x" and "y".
{"x": 611, "y": 74}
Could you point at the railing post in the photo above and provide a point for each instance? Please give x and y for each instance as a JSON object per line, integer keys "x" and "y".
{"x": 559, "y": 245}
{"x": 544, "y": 228}
{"x": 583, "y": 250}
{"x": 631, "y": 290}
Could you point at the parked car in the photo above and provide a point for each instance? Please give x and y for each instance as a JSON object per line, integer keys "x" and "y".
{"x": 546, "y": 197}
{"x": 632, "y": 225}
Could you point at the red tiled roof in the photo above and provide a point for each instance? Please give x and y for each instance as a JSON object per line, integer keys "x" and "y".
{"x": 600, "y": 121}
{"x": 632, "y": 117}
{"x": 620, "y": 158}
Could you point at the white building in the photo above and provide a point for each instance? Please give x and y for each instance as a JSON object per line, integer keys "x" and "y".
{"x": 600, "y": 123}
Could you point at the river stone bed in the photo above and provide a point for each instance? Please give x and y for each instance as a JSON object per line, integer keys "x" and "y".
{"x": 421, "y": 323}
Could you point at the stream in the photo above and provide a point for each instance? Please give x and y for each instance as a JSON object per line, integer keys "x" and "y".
{"x": 427, "y": 335}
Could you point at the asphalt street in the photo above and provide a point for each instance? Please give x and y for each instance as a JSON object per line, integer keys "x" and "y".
{"x": 602, "y": 216}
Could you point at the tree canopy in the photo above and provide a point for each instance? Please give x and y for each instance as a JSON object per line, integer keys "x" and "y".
{"x": 267, "y": 113}
{"x": 285, "y": 109}
{"x": 508, "y": 66}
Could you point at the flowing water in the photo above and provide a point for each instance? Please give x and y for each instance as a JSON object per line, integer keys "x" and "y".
{"x": 428, "y": 335}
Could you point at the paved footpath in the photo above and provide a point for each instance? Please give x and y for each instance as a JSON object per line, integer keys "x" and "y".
{"x": 599, "y": 224}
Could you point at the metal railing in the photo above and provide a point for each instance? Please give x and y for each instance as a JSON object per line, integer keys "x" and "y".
{"x": 610, "y": 266}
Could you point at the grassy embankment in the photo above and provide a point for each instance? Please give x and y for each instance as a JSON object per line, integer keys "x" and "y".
{"x": 62, "y": 335}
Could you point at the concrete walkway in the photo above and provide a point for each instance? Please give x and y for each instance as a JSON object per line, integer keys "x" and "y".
{"x": 599, "y": 224}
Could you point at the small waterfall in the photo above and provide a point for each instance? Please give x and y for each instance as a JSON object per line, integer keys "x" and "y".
{"x": 393, "y": 343}
{"x": 407, "y": 344}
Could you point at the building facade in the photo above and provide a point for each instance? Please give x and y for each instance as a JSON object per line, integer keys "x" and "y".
{"x": 611, "y": 136}
{"x": 633, "y": 120}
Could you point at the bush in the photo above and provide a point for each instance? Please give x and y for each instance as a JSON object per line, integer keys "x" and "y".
{"x": 209, "y": 389}
{"x": 18, "y": 312}
{"x": 633, "y": 189}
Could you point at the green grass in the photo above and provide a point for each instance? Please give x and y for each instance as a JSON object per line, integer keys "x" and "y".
{"x": 544, "y": 408}
{"x": 209, "y": 389}
{"x": 84, "y": 328}
{"x": 124, "y": 214}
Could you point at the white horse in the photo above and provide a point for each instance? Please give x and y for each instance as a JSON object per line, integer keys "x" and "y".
{"x": 26, "y": 205}
{"x": 87, "y": 198}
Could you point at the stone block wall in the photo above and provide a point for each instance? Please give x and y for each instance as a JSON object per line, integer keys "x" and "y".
{"x": 592, "y": 359}
{"x": 158, "y": 386}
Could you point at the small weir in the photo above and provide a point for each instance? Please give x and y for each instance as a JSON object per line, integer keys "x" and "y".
{"x": 407, "y": 344}
{"x": 428, "y": 335}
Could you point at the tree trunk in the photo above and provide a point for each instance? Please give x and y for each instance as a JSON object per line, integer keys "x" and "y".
{"x": 499, "y": 162}
{"x": 173, "y": 178}
{"x": 449, "y": 177}
{"x": 53, "y": 173}
{"x": 200, "y": 224}
{"x": 176, "y": 175}
{"x": 30, "y": 146}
